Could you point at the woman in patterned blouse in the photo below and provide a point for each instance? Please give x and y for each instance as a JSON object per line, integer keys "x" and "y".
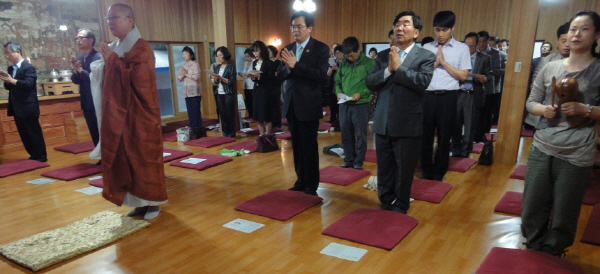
{"x": 189, "y": 73}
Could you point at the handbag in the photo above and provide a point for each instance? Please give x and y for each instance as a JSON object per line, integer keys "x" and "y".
{"x": 267, "y": 143}
{"x": 183, "y": 134}
{"x": 487, "y": 154}
{"x": 197, "y": 133}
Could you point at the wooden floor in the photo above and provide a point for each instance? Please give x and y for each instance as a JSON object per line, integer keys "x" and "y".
{"x": 188, "y": 237}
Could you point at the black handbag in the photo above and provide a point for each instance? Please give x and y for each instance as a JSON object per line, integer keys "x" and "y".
{"x": 486, "y": 158}
{"x": 267, "y": 143}
{"x": 197, "y": 133}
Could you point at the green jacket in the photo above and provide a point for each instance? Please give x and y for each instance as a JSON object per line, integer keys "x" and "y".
{"x": 350, "y": 79}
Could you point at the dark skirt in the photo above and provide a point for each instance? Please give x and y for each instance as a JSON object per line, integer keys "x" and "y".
{"x": 262, "y": 100}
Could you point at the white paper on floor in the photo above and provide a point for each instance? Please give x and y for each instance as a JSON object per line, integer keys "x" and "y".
{"x": 344, "y": 252}
{"x": 90, "y": 190}
{"x": 41, "y": 181}
{"x": 494, "y": 130}
{"x": 246, "y": 129}
{"x": 95, "y": 178}
{"x": 165, "y": 154}
{"x": 193, "y": 161}
{"x": 243, "y": 225}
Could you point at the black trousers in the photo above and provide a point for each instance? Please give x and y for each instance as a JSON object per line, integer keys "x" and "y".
{"x": 439, "y": 115}
{"x": 32, "y": 137}
{"x": 333, "y": 107}
{"x": 484, "y": 123}
{"x": 248, "y": 101}
{"x": 306, "y": 151}
{"x": 227, "y": 108}
{"x": 92, "y": 123}
{"x": 193, "y": 109}
{"x": 397, "y": 159}
{"x": 276, "y": 104}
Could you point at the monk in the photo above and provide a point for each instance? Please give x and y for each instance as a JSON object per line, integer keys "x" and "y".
{"x": 130, "y": 132}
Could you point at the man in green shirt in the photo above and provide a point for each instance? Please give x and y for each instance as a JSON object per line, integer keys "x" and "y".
{"x": 354, "y": 112}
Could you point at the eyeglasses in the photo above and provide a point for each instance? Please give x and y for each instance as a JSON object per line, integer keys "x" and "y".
{"x": 80, "y": 38}
{"x": 402, "y": 24}
{"x": 297, "y": 27}
{"x": 113, "y": 18}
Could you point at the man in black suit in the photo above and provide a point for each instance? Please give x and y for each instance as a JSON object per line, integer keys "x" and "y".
{"x": 400, "y": 76}
{"x": 81, "y": 76}
{"x": 304, "y": 69}
{"x": 484, "y": 123}
{"x": 23, "y": 102}
{"x": 471, "y": 98}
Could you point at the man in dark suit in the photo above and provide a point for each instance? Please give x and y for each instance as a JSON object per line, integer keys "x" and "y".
{"x": 400, "y": 76}
{"x": 304, "y": 69}
{"x": 81, "y": 76}
{"x": 23, "y": 102}
{"x": 484, "y": 123}
{"x": 471, "y": 97}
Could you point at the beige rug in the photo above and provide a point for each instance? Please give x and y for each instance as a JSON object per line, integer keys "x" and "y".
{"x": 51, "y": 247}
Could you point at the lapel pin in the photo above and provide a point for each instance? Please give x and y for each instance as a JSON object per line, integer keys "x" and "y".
{"x": 307, "y": 50}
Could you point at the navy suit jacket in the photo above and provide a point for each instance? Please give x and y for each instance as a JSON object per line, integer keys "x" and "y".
{"x": 399, "y": 110}
{"x": 83, "y": 80}
{"x": 22, "y": 97}
{"x": 304, "y": 81}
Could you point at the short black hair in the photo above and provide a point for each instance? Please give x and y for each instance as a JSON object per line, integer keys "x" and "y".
{"x": 473, "y": 34}
{"x": 309, "y": 20}
{"x": 507, "y": 42}
{"x": 264, "y": 51}
{"x": 338, "y": 48}
{"x": 484, "y": 34}
{"x": 250, "y": 52}
{"x": 444, "y": 19}
{"x": 495, "y": 39}
{"x": 390, "y": 33}
{"x": 563, "y": 29}
{"x": 89, "y": 34}
{"x": 273, "y": 50}
{"x": 417, "y": 22}
{"x": 14, "y": 47}
{"x": 190, "y": 51}
{"x": 372, "y": 49}
{"x": 427, "y": 40}
{"x": 350, "y": 45}
{"x": 225, "y": 52}
{"x": 548, "y": 44}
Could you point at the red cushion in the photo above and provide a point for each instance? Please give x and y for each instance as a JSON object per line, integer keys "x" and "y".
{"x": 519, "y": 172}
{"x": 170, "y": 136}
{"x": 341, "y": 176}
{"x": 76, "y": 148}
{"x": 97, "y": 183}
{"x": 517, "y": 261}
{"x": 477, "y": 148}
{"x": 206, "y": 122}
{"x": 279, "y": 204}
{"x": 184, "y": 123}
{"x": 591, "y": 235}
{"x": 324, "y": 127}
{"x": 374, "y": 227}
{"x": 210, "y": 141}
{"x": 284, "y": 122}
{"x": 510, "y": 203}
{"x": 73, "y": 172}
{"x": 429, "y": 190}
{"x": 175, "y": 154}
{"x": 597, "y": 158}
{"x": 327, "y": 112}
{"x": 526, "y": 133}
{"x": 284, "y": 136}
{"x": 20, "y": 166}
{"x": 490, "y": 136}
{"x": 459, "y": 164}
{"x": 247, "y": 145}
{"x": 168, "y": 128}
{"x": 371, "y": 156}
{"x": 211, "y": 160}
{"x": 592, "y": 193}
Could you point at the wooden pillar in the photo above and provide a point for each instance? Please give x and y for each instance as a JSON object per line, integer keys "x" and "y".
{"x": 224, "y": 33}
{"x": 522, "y": 38}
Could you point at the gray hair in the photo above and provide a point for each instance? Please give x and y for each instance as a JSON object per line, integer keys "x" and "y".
{"x": 14, "y": 47}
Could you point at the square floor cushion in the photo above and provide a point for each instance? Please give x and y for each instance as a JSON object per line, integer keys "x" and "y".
{"x": 211, "y": 161}
{"x": 247, "y": 145}
{"x": 74, "y": 172}
{"x": 341, "y": 176}
{"x": 517, "y": 261}
{"x": 459, "y": 164}
{"x": 429, "y": 190}
{"x": 210, "y": 141}
{"x": 279, "y": 204}
{"x": 170, "y": 136}
{"x": 19, "y": 167}
{"x": 519, "y": 172}
{"x": 591, "y": 234}
{"x": 371, "y": 156}
{"x": 172, "y": 154}
{"x": 76, "y": 148}
{"x": 510, "y": 203}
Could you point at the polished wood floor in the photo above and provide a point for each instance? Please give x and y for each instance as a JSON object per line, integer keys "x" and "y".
{"x": 188, "y": 237}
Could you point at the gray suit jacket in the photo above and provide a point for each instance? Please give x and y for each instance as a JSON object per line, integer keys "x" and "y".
{"x": 482, "y": 66}
{"x": 497, "y": 71}
{"x": 399, "y": 110}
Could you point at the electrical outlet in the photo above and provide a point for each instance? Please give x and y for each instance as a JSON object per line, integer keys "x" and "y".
{"x": 518, "y": 66}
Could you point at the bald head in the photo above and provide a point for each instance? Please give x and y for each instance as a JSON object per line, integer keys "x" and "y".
{"x": 120, "y": 20}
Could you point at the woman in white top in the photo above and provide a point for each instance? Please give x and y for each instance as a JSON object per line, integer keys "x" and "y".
{"x": 189, "y": 74}
{"x": 248, "y": 83}
{"x": 266, "y": 85}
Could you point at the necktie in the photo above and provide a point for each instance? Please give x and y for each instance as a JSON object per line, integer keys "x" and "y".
{"x": 15, "y": 68}
{"x": 402, "y": 55}
{"x": 298, "y": 52}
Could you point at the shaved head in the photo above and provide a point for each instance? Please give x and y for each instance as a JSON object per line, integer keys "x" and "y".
{"x": 123, "y": 10}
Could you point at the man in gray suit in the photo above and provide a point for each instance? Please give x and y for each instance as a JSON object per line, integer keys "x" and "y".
{"x": 563, "y": 52}
{"x": 492, "y": 95}
{"x": 471, "y": 98}
{"x": 400, "y": 75}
